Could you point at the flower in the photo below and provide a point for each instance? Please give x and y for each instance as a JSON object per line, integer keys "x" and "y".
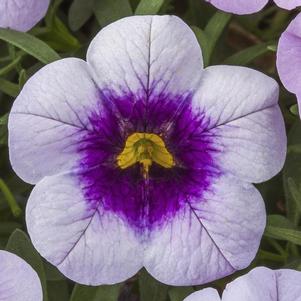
{"x": 18, "y": 281}
{"x": 143, "y": 158}
{"x": 22, "y": 15}
{"x": 242, "y": 7}
{"x": 261, "y": 284}
{"x": 288, "y": 57}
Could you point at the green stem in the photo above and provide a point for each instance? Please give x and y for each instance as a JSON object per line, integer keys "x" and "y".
{"x": 10, "y": 66}
{"x": 265, "y": 255}
{"x": 11, "y": 201}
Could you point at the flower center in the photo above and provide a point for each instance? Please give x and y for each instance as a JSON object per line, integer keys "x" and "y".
{"x": 145, "y": 148}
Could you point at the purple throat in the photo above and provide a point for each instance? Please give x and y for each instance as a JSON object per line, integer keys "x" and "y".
{"x": 146, "y": 204}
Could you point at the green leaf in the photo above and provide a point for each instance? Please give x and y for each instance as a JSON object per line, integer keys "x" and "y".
{"x": 204, "y": 43}
{"x": 20, "y": 244}
{"x": 149, "y": 7}
{"x": 208, "y": 37}
{"x": 108, "y": 11}
{"x": 294, "y": 110}
{"x": 10, "y": 199}
{"x": 22, "y": 78}
{"x": 151, "y": 289}
{"x": 8, "y": 227}
{"x": 9, "y": 88}
{"x": 95, "y": 293}
{"x": 10, "y": 66}
{"x": 58, "y": 291}
{"x": 3, "y": 127}
{"x": 4, "y": 119}
{"x": 247, "y": 55}
{"x": 59, "y": 37}
{"x": 52, "y": 273}
{"x": 279, "y": 227}
{"x": 30, "y": 45}
{"x": 79, "y": 13}
{"x": 292, "y": 172}
{"x": 179, "y": 293}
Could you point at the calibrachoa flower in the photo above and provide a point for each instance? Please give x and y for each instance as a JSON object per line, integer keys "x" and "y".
{"x": 261, "y": 284}
{"x": 18, "y": 281}
{"x": 143, "y": 158}
{"x": 243, "y": 7}
{"x": 288, "y": 57}
{"x": 22, "y": 15}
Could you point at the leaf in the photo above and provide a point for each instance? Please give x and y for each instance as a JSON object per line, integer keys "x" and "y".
{"x": 108, "y": 11}
{"x": 59, "y": 37}
{"x": 95, "y": 293}
{"x": 151, "y": 289}
{"x": 214, "y": 30}
{"x": 79, "y": 13}
{"x": 279, "y": 227}
{"x": 8, "y": 227}
{"x": 52, "y": 273}
{"x": 295, "y": 192}
{"x": 58, "y": 291}
{"x": 4, "y": 119}
{"x": 22, "y": 78}
{"x": 294, "y": 110}
{"x": 20, "y": 244}
{"x": 149, "y": 7}
{"x": 179, "y": 293}
{"x": 292, "y": 170}
{"x": 208, "y": 37}
{"x": 203, "y": 42}
{"x": 30, "y": 45}
{"x": 9, "y": 88}
{"x": 247, "y": 55}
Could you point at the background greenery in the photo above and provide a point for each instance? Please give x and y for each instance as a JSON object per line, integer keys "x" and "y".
{"x": 67, "y": 31}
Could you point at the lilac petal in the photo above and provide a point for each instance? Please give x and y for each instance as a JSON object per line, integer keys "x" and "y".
{"x": 245, "y": 121}
{"x": 208, "y": 294}
{"x": 22, "y": 15}
{"x": 289, "y": 57}
{"x": 209, "y": 239}
{"x": 288, "y": 4}
{"x": 88, "y": 244}
{"x": 18, "y": 280}
{"x": 48, "y": 119}
{"x": 263, "y": 284}
{"x": 146, "y": 55}
{"x": 240, "y": 7}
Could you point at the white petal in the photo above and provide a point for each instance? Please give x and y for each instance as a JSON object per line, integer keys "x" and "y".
{"x": 88, "y": 244}
{"x": 146, "y": 55}
{"x": 210, "y": 238}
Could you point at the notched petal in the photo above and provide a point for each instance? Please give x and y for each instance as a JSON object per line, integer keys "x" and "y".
{"x": 22, "y": 15}
{"x": 211, "y": 237}
{"x": 87, "y": 243}
{"x": 49, "y": 118}
{"x": 18, "y": 280}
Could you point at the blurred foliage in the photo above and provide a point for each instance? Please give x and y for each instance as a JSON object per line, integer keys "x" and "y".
{"x": 67, "y": 31}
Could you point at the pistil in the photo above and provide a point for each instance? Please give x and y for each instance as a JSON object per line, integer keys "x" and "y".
{"x": 145, "y": 148}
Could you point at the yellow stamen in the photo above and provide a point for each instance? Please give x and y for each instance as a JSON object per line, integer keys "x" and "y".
{"x": 145, "y": 148}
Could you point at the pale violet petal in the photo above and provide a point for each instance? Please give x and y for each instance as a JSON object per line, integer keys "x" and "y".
{"x": 18, "y": 280}
{"x": 88, "y": 244}
{"x": 244, "y": 120}
{"x": 262, "y": 284}
{"x": 288, "y": 4}
{"x": 49, "y": 117}
{"x": 240, "y": 7}
{"x": 208, "y": 294}
{"x": 289, "y": 57}
{"x": 147, "y": 55}
{"x": 210, "y": 238}
{"x": 22, "y": 15}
